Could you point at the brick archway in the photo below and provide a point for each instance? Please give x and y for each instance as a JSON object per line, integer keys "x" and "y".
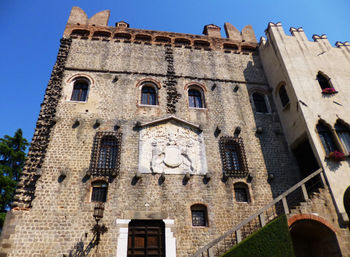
{"x": 298, "y": 217}
{"x": 313, "y": 236}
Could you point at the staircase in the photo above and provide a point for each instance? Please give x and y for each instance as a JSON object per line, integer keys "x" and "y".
{"x": 293, "y": 199}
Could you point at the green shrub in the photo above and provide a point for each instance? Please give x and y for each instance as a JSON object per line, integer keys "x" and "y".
{"x": 273, "y": 240}
{"x": 2, "y": 219}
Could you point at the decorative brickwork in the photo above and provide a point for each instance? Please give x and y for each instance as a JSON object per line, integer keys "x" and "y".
{"x": 171, "y": 82}
{"x": 36, "y": 155}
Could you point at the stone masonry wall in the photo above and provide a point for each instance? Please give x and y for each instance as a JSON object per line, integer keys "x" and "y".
{"x": 60, "y": 217}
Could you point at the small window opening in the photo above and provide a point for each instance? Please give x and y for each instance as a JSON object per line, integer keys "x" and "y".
{"x": 248, "y": 49}
{"x": 163, "y": 39}
{"x": 99, "y": 191}
{"x": 80, "y": 90}
{"x": 143, "y": 37}
{"x": 260, "y": 103}
{"x": 201, "y": 43}
{"x": 148, "y": 95}
{"x": 283, "y": 96}
{"x": 101, "y": 34}
{"x": 241, "y": 193}
{"x": 199, "y": 215}
{"x": 230, "y": 47}
{"x": 323, "y": 81}
{"x": 80, "y": 32}
{"x": 122, "y": 36}
{"x": 182, "y": 41}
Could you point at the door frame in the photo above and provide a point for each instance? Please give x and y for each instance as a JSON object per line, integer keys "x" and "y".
{"x": 123, "y": 229}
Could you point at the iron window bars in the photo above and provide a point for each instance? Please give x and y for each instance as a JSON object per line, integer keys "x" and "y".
{"x": 105, "y": 157}
{"x": 233, "y": 157}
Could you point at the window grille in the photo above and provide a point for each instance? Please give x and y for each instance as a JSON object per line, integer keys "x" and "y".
{"x": 233, "y": 157}
{"x": 105, "y": 159}
{"x": 199, "y": 215}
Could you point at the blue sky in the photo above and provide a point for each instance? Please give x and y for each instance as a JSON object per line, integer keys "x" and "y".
{"x": 30, "y": 33}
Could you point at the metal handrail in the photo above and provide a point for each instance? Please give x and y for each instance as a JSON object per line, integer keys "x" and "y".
{"x": 262, "y": 210}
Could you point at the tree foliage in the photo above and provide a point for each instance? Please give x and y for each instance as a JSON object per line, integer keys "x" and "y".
{"x": 12, "y": 158}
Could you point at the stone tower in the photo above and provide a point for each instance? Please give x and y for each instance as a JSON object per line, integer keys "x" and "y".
{"x": 176, "y": 137}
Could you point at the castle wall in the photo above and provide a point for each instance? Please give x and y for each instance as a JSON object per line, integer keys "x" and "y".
{"x": 60, "y": 217}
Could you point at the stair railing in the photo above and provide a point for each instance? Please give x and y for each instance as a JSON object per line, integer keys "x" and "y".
{"x": 259, "y": 219}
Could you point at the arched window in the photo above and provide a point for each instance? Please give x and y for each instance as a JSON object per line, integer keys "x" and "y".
{"x": 199, "y": 215}
{"x": 99, "y": 191}
{"x": 344, "y": 135}
{"x": 80, "y": 90}
{"x": 259, "y": 103}
{"x": 323, "y": 81}
{"x": 327, "y": 138}
{"x": 282, "y": 92}
{"x": 149, "y": 94}
{"x": 241, "y": 192}
{"x": 195, "y": 98}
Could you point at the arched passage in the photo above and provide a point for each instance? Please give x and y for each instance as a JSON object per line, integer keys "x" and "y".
{"x": 313, "y": 238}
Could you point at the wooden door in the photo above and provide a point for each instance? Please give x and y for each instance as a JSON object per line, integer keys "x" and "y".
{"x": 146, "y": 238}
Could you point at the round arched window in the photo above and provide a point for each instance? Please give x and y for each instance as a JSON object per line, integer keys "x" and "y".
{"x": 148, "y": 94}
{"x": 80, "y": 90}
{"x": 195, "y": 98}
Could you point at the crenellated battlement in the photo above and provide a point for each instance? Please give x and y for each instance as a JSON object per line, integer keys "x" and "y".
{"x": 299, "y": 34}
{"x": 79, "y": 26}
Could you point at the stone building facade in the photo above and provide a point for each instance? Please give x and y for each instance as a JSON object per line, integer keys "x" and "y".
{"x": 178, "y": 135}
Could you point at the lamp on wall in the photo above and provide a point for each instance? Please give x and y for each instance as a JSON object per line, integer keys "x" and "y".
{"x": 98, "y": 229}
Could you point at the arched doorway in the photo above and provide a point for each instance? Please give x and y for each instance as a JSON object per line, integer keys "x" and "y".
{"x": 347, "y": 202}
{"x": 311, "y": 238}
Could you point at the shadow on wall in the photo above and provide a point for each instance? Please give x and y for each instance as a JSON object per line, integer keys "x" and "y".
{"x": 281, "y": 166}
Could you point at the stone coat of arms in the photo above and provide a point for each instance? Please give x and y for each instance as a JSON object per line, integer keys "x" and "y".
{"x": 171, "y": 146}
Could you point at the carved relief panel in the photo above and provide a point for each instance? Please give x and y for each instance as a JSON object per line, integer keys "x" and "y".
{"x": 172, "y": 146}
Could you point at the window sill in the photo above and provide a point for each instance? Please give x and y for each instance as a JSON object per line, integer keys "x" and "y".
{"x": 198, "y": 108}
{"x": 329, "y": 91}
{"x": 200, "y": 226}
{"x": 242, "y": 202}
{"x": 149, "y": 105}
{"x": 70, "y": 101}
